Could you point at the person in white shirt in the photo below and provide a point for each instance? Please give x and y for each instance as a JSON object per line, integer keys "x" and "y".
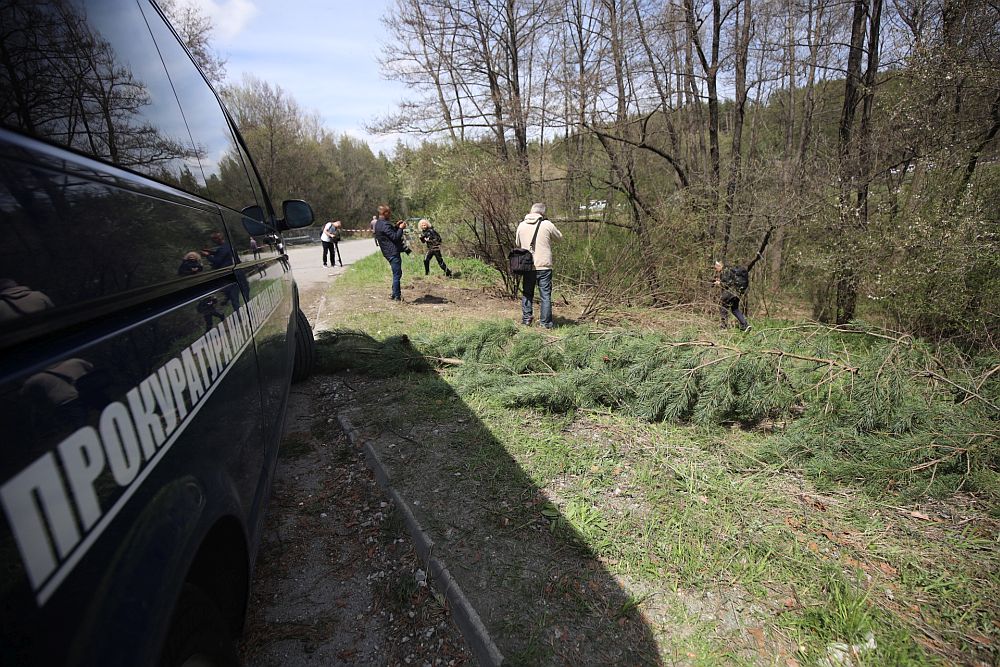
{"x": 330, "y": 238}
{"x": 537, "y": 233}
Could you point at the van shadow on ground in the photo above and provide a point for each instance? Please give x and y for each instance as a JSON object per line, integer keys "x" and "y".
{"x": 541, "y": 592}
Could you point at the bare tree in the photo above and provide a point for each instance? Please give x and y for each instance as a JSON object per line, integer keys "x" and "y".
{"x": 196, "y": 30}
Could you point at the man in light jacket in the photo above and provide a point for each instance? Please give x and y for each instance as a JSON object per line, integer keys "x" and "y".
{"x": 542, "y": 254}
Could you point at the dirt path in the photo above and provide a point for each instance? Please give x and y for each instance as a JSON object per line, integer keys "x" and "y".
{"x": 337, "y": 581}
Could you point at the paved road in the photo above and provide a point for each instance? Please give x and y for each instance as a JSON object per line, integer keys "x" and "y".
{"x": 313, "y": 278}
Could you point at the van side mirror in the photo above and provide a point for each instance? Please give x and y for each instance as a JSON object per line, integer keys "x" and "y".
{"x": 253, "y": 221}
{"x": 297, "y": 213}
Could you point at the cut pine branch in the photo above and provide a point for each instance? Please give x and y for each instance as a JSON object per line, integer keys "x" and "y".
{"x": 966, "y": 390}
{"x": 776, "y": 353}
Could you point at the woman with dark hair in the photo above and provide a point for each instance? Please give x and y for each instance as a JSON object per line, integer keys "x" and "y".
{"x": 389, "y": 237}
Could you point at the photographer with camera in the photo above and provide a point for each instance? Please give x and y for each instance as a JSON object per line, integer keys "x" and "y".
{"x": 392, "y": 241}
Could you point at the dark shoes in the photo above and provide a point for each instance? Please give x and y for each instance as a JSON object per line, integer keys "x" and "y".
{"x": 447, "y": 272}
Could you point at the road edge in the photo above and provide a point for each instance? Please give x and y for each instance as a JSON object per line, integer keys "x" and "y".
{"x": 469, "y": 624}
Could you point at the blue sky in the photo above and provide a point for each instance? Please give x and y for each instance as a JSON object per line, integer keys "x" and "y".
{"x": 322, "y": 52}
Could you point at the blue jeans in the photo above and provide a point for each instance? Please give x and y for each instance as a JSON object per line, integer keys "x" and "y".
{"x": 544, "y": 280}
{"x": 397, "y": 274}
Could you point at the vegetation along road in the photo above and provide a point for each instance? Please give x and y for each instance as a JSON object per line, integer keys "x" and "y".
{"x": 659, "y": 491}
{"x": 639, "y": 485}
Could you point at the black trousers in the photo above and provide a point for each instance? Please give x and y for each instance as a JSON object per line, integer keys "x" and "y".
{"x": 731, "y": 302}
{"x": 440, "y": 259}
{"x": 332, "y": 248}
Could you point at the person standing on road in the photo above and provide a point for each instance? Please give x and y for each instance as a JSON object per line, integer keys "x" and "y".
{"x": 389, "y": 237}
{"x": 374, "y": 222}
{"x": 430, "y": 237}
{"x": 330, "y": 238}
{"x": 537, "y": 233}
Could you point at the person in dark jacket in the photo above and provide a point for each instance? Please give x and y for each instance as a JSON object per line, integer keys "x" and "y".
{"x": 222, "y": 254}
{"x": 430, "y": 237}
{"x": 389, "y": 237}
{"x": 734, "y": 281}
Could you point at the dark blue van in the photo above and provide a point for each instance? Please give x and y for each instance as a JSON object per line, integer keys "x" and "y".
{"x": 149, "y": 330}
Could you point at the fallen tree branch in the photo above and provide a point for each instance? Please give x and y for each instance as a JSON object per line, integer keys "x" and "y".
{"x": 968, "y": 392}
{"x": 776, "y": 353}
{"x": 449, "y": 361}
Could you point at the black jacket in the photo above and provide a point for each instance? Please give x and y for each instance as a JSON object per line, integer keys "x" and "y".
{"x": 735, "y": 279}
{"x": 389, "y": 238}
{"x": 431, "y": 238}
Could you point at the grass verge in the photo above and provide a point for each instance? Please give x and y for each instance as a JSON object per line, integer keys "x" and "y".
{"x": 796, "y": 495}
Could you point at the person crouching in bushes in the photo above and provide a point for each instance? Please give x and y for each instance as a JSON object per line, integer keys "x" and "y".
{"x": 430, "y": 237}
{"x": 734, "y": 281}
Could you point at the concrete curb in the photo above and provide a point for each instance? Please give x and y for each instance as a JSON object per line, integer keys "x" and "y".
{"x": 475, "y": 633}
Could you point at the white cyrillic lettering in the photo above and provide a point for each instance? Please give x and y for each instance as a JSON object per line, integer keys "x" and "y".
{"x": 244, "y": 322}
{"x": 236, "y": 335}
{"x": 120, "y": 443}
{"x": 161, "y": 390}
{"x": 83, "y": 460}
{"x": 225, "y": 350}
{"x": 195, "y": 387}
{"x": 174, "y": 370}
{"x": 147, "y": 422}
{"x": 35, "y": 500}
{"x": 203, "y": 353}
{"x": 214, "y": 341}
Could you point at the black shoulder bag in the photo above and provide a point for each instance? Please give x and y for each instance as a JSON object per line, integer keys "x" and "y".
{"x": 523, "y": 261}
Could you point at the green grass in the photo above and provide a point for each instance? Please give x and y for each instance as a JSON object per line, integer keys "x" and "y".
{"x": 374, "y": 270}
{"x": 702, "y": 462}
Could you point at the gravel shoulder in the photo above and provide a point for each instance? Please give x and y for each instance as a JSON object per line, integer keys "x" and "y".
{"x": 337, "y": 580}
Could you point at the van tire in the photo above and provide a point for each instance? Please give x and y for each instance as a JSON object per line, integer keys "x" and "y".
{"x": 305, "y": 348}
{"x": 198, "y": 633}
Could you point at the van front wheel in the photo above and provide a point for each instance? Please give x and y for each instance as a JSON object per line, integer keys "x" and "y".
{"x": 305, "y": 348}
{"x": 198, "y": 635}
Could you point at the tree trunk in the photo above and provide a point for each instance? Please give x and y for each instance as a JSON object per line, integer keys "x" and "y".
{"x": 845, "y": 272}
{"x": 740, "y": 91}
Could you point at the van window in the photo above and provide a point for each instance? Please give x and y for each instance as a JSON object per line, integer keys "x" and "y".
{"x": 225, "y": 177}
{"x": 256, "y": 245}
{"x": 80, "y": 75}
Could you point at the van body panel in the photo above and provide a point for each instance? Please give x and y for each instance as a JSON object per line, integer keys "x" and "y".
{"x": 146, "y": 337}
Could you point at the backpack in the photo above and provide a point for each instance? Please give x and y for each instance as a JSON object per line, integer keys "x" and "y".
{"x": 739, "y": 278}
{"x": 522, "y": 260}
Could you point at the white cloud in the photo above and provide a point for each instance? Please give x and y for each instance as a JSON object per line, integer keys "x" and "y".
{"x": 229, "y": 17}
